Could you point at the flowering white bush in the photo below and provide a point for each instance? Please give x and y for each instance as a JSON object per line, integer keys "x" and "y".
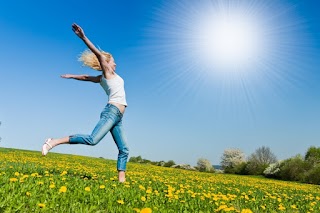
{"x": 273, "y": 169}
{"x": 231, "y": 158}
{"x": 204, "y": 165}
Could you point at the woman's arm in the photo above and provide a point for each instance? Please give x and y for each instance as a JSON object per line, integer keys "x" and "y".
{"x": 94, "y": 79}
{"x": 80, "y": 33}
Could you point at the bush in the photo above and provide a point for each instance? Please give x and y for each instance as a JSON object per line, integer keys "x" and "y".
{"x": 313, "y": 155}
{"x": 204, "y": 165}
{"x": 169, "y": 163}
{"x": 241, "y": 169}
{"x": 294, "y": 169}
{"x": 273, "y": 170}
{"x": 230, "y": 159}
{"x": 254, "y": 168}
{"x": 260, "y": 160}
{"x": 313, "y": 175}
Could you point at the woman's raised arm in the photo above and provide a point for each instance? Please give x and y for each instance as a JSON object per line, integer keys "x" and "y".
{"x": 80, "y": 33}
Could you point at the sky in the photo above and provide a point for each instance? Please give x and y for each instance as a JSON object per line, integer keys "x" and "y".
{"x": 187, "y": 98}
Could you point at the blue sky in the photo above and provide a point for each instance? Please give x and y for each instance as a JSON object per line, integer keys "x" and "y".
{"x": 179, "y": 108}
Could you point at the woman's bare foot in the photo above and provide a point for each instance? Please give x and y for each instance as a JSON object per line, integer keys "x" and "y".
{"x": 122, "y": 176}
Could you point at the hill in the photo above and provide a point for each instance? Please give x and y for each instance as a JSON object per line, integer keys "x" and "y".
{"x": 71, "y": 183}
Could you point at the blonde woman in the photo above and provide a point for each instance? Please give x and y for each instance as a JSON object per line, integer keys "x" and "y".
{"x": 111, "y": 116}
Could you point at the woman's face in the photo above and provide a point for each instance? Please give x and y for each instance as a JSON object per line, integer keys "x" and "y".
{"x": 112, "y": 64}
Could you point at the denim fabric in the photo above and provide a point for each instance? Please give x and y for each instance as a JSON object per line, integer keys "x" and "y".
{"x": 110, "y": 120}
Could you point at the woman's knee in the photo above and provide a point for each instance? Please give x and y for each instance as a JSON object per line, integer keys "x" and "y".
{"x": 91, "y": 141}
{"x": 124, "y": 151}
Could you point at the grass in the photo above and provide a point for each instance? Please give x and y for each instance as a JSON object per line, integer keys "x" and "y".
{"x": 70, "y": 183}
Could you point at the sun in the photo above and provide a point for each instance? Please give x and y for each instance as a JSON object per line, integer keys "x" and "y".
{"x": 229, "y": 45}
{"x": 227, "y": 40}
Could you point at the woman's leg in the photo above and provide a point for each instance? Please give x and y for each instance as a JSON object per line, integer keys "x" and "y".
{"x": 120, "y": 139}
{"x": 107, "y": 120}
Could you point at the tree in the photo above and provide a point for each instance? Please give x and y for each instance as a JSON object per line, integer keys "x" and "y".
{"x": 294, "y": 169}
{"x": 230, "y": 159}
{"x": 169, "y": 163}
{"x": 204, "y": 165}
{"x": 260, "y": 160}
{"x": 313, "y": 155}
{"x": 136, "y": 159}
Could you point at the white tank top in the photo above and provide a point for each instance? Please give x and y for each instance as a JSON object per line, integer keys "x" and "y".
{"x": 115, "y": 89}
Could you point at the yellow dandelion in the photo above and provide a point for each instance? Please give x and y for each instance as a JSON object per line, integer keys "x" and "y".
{"x": 63, "y": 189}
{"x": 142, "y": 187}
{"x": 13, "y": 179}
{"x": 281, "y": 207}
{"x": 222, "y": 207}
{"x": 16, "y": 174}
{"x": 102, "y": 186}
{"x": 146, "y": 210}
{"x": 52, "y": 186}
{"x": 293, "y": 206}
{"x": 41, "y": 205}
{"x": 28, "y": 193}
{"x": 87, "y": 189}
{"x": 63, "y": 173}
{"x": 143, "y": 198}
{"x": 246, "y": 211}
{"x": 229, "y": 209}
{"x": 34, "y": 174}
{"x": 120, "y": 202}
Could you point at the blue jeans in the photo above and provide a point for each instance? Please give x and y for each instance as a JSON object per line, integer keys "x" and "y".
{"x": 110, "y": 120}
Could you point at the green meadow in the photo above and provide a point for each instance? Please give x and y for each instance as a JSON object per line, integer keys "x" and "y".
{"x": 70, "y": 183}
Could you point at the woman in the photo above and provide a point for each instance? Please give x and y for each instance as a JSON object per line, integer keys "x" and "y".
{"x": 111, "y": 116}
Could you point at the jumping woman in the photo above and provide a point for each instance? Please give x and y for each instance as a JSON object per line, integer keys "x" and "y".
{"x": 111, "y": 116}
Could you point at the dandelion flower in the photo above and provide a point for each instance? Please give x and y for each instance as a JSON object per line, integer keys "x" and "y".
{"x": 63, "y": 189}
{"x": 294, "y": 206}
{"x": 143, "y": 198}
{"x": 146, "y": 210}
{"x": 246, "y": 211}
{"x": 120, "y": 202}
{"x": 28, "y": 193}
{"x": 281, "y": 207}
{"x": 63, "y": 173}
{"x": 87, "y": 189}
{"x": 42, "y": 205}
{"x": 142, "y": 187}
{"x": 13, "y": 179}
{"x": 102, "y": 186}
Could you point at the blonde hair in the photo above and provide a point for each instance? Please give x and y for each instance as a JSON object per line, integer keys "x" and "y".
{"x": 89, "y": 59}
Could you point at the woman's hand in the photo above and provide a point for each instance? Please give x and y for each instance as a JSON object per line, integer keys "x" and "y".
{"x": 78, "y": 30}
{"x": 67, "y": 76}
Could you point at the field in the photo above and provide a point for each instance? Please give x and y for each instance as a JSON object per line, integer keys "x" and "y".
{"x": 70, "y": 183}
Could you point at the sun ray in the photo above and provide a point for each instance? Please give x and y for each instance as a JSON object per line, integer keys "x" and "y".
{"x": 241, "y": 50}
